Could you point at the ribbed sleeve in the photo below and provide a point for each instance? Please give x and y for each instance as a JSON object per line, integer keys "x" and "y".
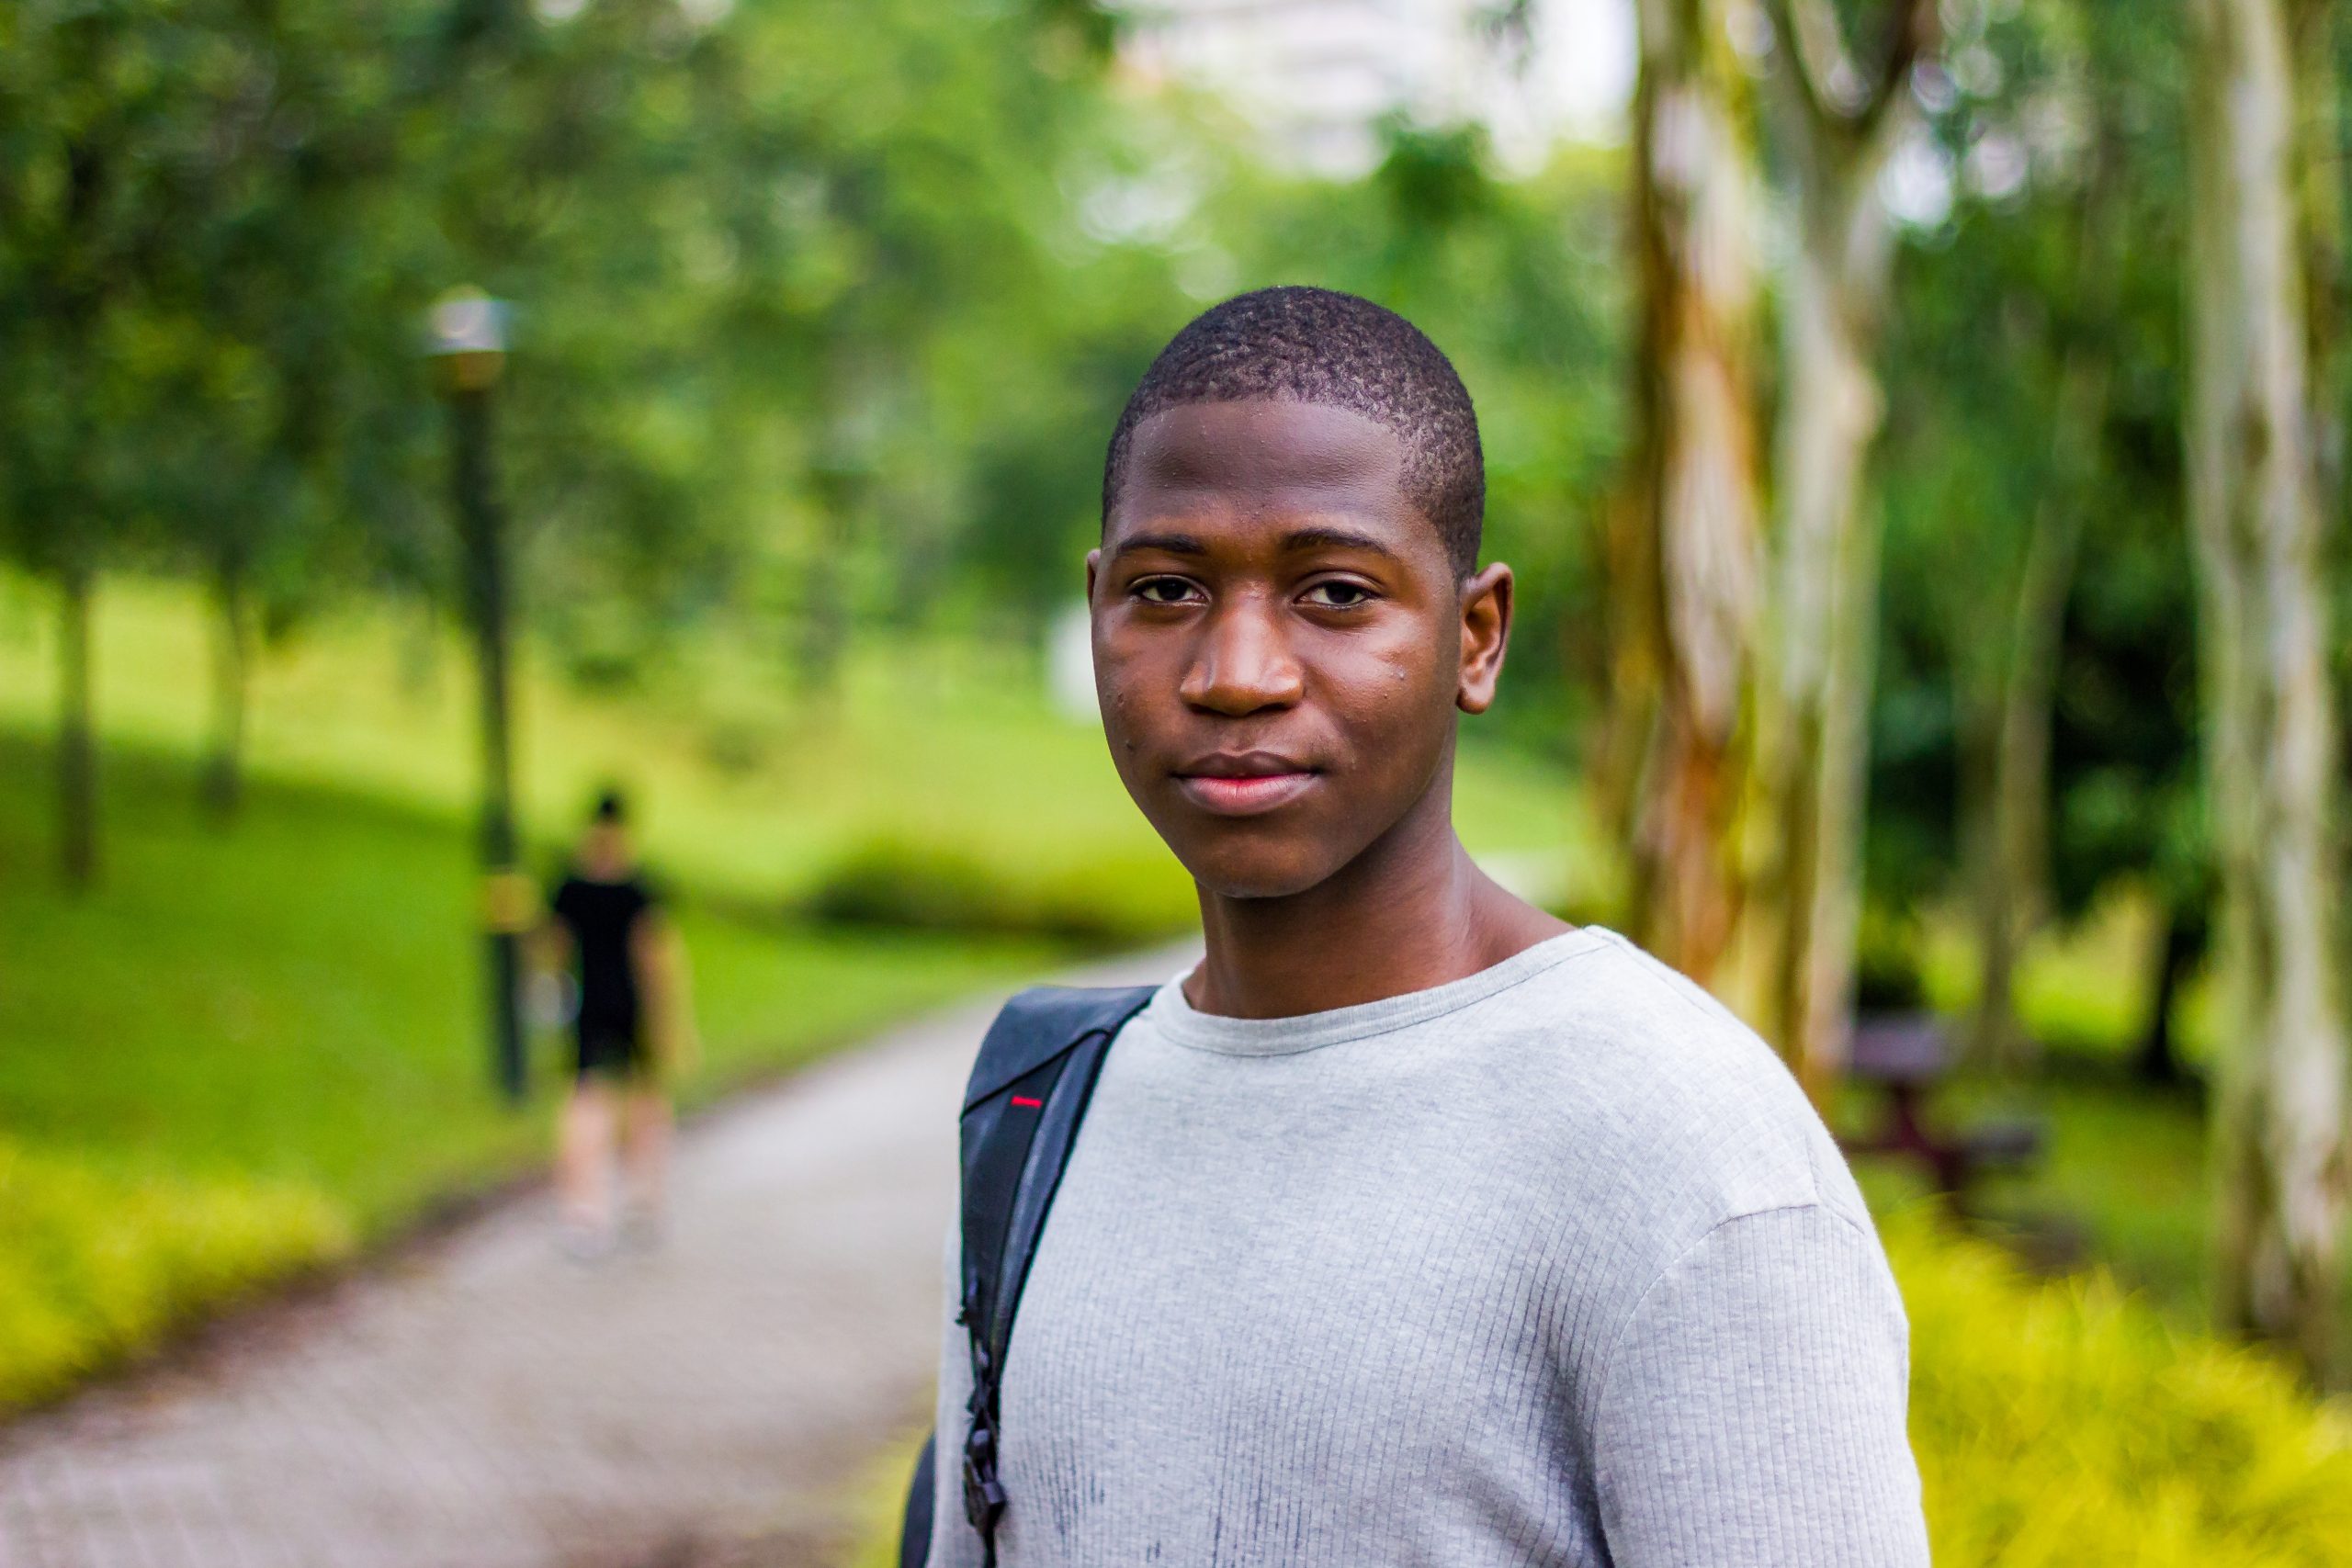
{"x": 1752, "y": 1410}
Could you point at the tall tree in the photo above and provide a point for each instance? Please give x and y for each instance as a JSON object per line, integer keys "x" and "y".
{"x": 274, "y": 267}
{"x": 2033, "y": 744}
{"x": 2005, "y": 685}
{"x": 1840, "y": 120}
{"x": 2256, "y": 516}
{"x": 2005, "y": 725}
{"x": 96, "y": 135}
{"x": 1687, "y": 545}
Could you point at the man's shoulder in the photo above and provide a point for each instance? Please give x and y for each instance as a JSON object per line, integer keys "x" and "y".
{"x": 1653, "y": 1094}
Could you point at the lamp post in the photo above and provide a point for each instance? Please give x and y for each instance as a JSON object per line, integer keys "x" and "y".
{"x": 468, "y": 348}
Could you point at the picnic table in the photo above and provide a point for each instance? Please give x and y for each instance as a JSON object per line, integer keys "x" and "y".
{"x": 1906, "y": 1057}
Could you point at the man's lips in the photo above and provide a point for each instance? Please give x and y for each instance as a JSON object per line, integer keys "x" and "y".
{"x": 1242, "y": 786}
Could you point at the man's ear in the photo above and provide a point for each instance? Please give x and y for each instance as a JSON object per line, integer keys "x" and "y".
{"x": 1093, "y": 559}
{"x": 1486, "y": 631}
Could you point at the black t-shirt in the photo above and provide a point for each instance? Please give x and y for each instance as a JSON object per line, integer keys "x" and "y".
{"x": 600, "y": 917}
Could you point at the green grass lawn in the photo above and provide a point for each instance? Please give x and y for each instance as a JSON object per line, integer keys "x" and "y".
{"x": 264, "y": 1045}
{"x": 949, "y": 750}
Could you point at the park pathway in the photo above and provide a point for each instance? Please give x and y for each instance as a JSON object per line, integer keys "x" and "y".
{"x": 484, "y": 1403}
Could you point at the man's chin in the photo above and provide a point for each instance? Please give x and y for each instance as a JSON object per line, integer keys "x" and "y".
{"x": 1258, "y": 872}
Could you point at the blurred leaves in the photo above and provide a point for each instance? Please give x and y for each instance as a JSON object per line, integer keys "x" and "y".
{"x": 2086, "y": 1418}
{"x": 824, "y": 312}
{"x": 2060, "y": 126}
{"x": 725, "y": 230}
{"x": 99, "y": 1260}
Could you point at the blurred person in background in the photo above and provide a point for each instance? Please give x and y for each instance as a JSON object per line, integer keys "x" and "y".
{"x": 632, "y": 1029}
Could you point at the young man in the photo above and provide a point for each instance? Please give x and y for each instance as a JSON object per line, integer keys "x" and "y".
{"x": 632, "y": 1024}
{"x": 1413, "y": 1225}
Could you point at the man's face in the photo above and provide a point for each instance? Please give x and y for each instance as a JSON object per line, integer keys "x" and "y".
{"x": 605, "y": 850}
{"x": 1280, "y": 641}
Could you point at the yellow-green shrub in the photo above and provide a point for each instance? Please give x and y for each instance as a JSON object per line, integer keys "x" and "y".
{"x": 98, "y": 1261}
{"x": 2067, "y": 1424}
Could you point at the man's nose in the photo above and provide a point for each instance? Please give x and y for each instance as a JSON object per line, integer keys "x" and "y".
{"x": 1243, "y": 663}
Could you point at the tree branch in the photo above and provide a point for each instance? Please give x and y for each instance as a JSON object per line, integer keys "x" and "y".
{"x": 1800, "y": 43}
{"x": 1820, "y": 62}
{"x": 1913, "y": 28}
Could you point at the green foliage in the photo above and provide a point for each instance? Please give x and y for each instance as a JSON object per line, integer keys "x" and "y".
{"x": 874, "y": 1505}
{"x": 943, "y": 886}
{"x": 2049, "y": 295}
{"x": 793, "y": 282}
{"x": 1521, "y": 283}
{"x": 2052, "y": 1421}
{"x": 99, "y": 1258}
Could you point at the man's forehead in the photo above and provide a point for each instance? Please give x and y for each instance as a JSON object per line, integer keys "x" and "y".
{"x": 1265, "y": 443}
{"x": 1264, "y": 460}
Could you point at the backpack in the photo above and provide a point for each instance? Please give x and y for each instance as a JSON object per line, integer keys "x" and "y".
{"x": 1021, "y": 1106}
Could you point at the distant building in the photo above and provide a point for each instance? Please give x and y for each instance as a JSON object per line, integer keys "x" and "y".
{"x": 1317, "y": 76}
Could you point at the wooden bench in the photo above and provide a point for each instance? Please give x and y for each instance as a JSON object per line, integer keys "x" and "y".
{"x": 1905, "y": 1055}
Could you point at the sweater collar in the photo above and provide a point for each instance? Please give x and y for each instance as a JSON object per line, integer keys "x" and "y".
{"x": 1186, "y": 1025}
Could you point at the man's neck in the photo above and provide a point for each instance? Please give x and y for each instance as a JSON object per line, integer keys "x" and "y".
{"x": 1411, "y": 912}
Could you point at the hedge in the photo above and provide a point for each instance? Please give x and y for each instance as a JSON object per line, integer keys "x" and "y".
{"x": 2066, "y": 1422}
{"x": 98, "y": 1260}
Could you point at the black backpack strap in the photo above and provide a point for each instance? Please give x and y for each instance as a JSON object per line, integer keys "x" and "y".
{"x": 914, "y": 1530}
{"x": 1028, "y": 1091}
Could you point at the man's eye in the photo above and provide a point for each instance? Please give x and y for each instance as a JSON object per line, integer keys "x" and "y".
{"x": 1162, "y": 591}
{"x": 1339, "y": 595}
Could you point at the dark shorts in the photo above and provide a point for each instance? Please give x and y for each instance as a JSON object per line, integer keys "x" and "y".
{"x": 612, "y": 1048}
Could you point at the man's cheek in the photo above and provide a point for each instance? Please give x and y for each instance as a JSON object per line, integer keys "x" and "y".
{"x": 1114, "y": 688}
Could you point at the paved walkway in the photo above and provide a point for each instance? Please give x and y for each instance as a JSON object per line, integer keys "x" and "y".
{"x": 486, "y": 1404}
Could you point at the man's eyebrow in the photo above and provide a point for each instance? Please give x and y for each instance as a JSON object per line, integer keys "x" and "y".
{"x": 1174, "y": 543}
{"x": 1325, "y": 537}
{"x": 1320, "y": 537}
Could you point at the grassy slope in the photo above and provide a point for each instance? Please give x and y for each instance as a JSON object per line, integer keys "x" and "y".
{"x": 295, "y": 998}
{"x": 748, "y": 792}
{"x": 249, "y": 1051}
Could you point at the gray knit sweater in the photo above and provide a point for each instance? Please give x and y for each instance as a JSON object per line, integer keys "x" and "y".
{"x": 1552, "y": 1264}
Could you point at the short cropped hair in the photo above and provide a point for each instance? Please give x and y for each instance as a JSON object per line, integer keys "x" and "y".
{"x": 611, "y": 806}
{"x": 1315, "y": 345}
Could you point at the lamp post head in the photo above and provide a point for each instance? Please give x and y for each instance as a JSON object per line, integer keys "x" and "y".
{"x": 466, "y": 339}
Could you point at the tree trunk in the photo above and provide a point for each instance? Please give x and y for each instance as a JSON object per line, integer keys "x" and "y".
{"x": 232, "y": 662}
{"x": 2320, "y": 167}
{"x": 1978, "y": 690}
{"x": 2012, "y": 854}
{"x": 2157, "y": 1061}
{"x": 859, "y": 388}
{"x": 77, "y": 747}
{"x": 1839, "y": 123}
{"x": 2271, "y": 744}
{"x": 1690, "y": 559}
{"x": 825, "y": 611}
{"x": 1824, "y": 605}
